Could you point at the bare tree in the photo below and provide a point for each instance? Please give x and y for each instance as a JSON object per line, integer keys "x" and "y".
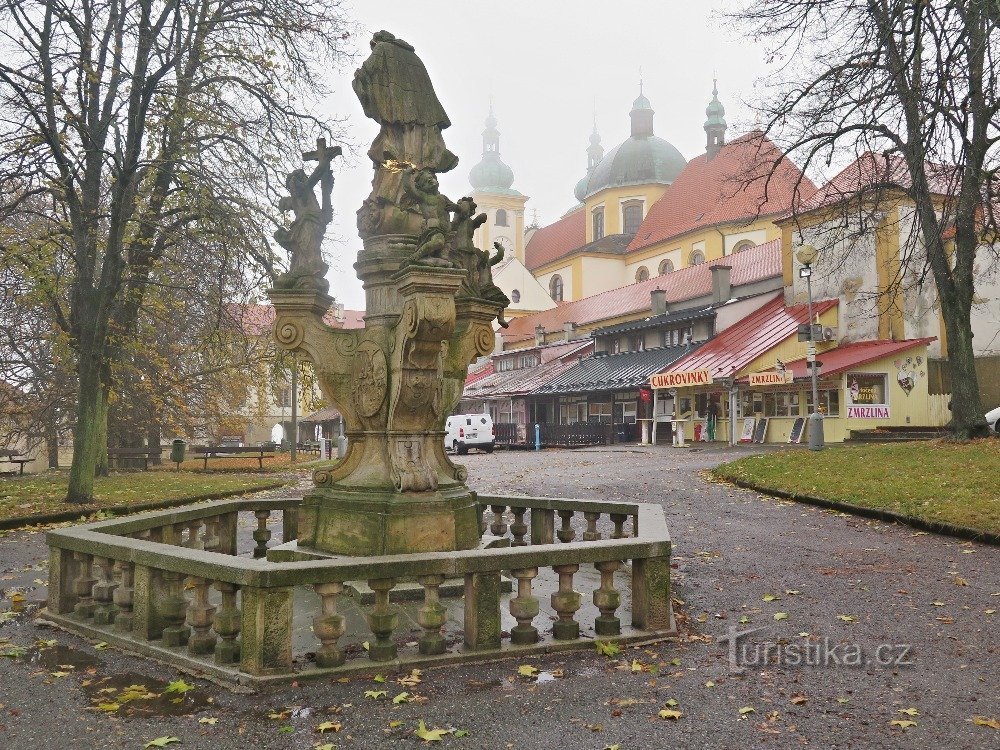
{"x": 910, "y": 87}
{"x": 132, "y": 120}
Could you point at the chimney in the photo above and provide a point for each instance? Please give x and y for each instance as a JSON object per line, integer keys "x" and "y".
{"x": 658, "y": 301}
{"x": 569, "y": 328}
{"x": 722, "y": 287}
{"x": 338, "y": 311}
{"x": 539, "y": 334}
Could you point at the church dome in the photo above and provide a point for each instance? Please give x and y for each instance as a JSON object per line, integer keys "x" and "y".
{"x": 491, "y": 174}
{"x": 641, "y": 160}
{"x": 715, "y": 112}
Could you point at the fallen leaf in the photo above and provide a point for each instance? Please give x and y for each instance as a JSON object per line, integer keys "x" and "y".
{"x": 607, "y": 648}
{"x": 670, "y": 702}
{"x": 770, "y": 598}
{"x": 178, "y": 686}
{"x": 461, "y": 733}
{"x": 847, "y": 618}
{"x": 379, "y": 678}
{"x": 329, "y": 726}
{"x": 162, "y": 741}
{"x": 798, "y": 700}
{"x": 747, "y": 710}
{"x": 429, "y": 735}
{"x": 411, "y": 679}
{"x": 909, "y": 711}
{"x": 709, "y": 684}
{"x": 376, "y": 694}
{"x": 526, "y": 670}
{"x": 780, "y": 615}
{"x": 403, "y": 697}
{"x": 210, "y": 720}
{"x": 902, "y": 723}
{"x": 669, "y": 713}
{"x": 983, "y": 721}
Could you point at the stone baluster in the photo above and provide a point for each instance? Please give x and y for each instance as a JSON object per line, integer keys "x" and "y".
{"x": 194, "y": 535}
{"x": 651, "y": 593}
{"x": 62, "y": 581}
{"x": 524, "y": 608}
{"x": 618, "y": 519}
{"x": 431, "y": 617}
{"x": 482, "y": 611}
{"x": 173, "y": 609}
{"x": 566, "y": 533}
{"x": 382, "y": 620}
{"x": 566, "y": 602}
{"x": 124, "y": 596}
{"x": 543, "y": 526}
{"x": 228, "y": 527}
{"x": 329, "y": 626}
{"x": 212, "y": 539}
{"x": 607, "y": 600}
{"x": 227, "y": 624}
{"x": 591, "y": 534}
{"x": 266, "y": 636}
{"x": 482, "y": 519}
{"x": 200, "y": 615}
{"x": 104, "y": 590}
{"x": 83, "y": 585}
{"x": 519, "y": 528}
{"x": 174, "y": 534}
{"x": 261, "y": 534}
{"x": 499, "y": 526}
{"x": 289, "y": 524}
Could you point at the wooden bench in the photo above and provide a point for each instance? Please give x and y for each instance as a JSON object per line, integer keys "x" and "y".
{"x": 120, "y": 454}
{"x": 13, "y": 457}
{"x": 205, "y": 452}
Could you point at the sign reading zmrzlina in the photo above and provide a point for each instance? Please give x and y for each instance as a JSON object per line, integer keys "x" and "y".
{"x": 680, "y": 379}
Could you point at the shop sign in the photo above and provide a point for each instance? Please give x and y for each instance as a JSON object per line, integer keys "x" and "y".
{"x": 771, "y": 378}
{"x": 867, "y": 412}
{"x": 680, "y": 379}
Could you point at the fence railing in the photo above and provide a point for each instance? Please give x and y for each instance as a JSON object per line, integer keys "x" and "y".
{"x": 169, "y": 584}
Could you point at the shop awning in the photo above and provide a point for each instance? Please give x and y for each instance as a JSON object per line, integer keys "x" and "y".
{"x": 850, "y": 356}
{"x": 743, "y": 342}
{"x": 612, "y": 372}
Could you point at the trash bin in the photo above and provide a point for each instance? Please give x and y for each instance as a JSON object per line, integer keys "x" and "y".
{"x": 177, "y": 448}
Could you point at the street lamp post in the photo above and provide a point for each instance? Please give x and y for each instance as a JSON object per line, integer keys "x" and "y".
{"x": 807, "y": 255}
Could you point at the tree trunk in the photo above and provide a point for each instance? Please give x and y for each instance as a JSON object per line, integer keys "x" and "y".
{"x": 153, "y": 440}
{"x": 52, "y": 438}
{"x": 968, "y": 416}
{"x": 101, "y": 445}
{"x": 91, "y": 428}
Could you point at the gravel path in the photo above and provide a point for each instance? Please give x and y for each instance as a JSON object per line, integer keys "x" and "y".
{"x": 859, "y": 589}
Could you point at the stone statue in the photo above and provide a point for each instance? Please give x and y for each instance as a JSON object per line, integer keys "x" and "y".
{"x": 303, "y": 239}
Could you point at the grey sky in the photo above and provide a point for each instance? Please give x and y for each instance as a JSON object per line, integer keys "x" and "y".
{"x": 548, "y": 63}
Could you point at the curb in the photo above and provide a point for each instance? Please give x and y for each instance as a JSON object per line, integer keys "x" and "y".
{"x": 935, "y": 527}
{"x": 18, "y": 522}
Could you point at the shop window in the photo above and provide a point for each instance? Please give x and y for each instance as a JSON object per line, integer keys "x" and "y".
{"x": 600, "y": 412}
{"x": 625, "y": 412}
{"x": 501, "y": 217}
{"x": 572, "y": 411}
{"x": 666, "y": 266}
{"x": 829, "y": 403}
{"x": 556, "y": 288}
{"x": 866, "y": 389}
{"x": 781, "y": 404}
{"x": 598, "y": 223}
{"x": 515, "y": 296}
{"x": 751, "y": 403}
{"x": 632, "y": 216}
{"x": 642, "y": 274}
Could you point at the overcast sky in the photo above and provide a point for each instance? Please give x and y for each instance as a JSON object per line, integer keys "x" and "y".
{"x": 548, "y": 65}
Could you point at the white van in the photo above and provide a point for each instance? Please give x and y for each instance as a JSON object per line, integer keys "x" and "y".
{"x": 464, "y": 431}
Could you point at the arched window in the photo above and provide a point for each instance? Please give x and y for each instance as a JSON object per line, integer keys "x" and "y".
{"x": 598, "y": 220}
{"x": 556, "y": 288}
{"x": 666, "y": 266}
{"x": 501, "y": 217}
{"x": 744, "y": 245}
{"x": 515, "y": 295}
{"x": 631, "y": 216}
{"x": 642, "y": 274}
{"x": 697, "y": 256}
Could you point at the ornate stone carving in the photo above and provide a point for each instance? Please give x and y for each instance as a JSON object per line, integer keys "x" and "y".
{"x": 371, "y": 372}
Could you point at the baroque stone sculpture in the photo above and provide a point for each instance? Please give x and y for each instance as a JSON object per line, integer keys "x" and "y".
{"x": 430, "y": 305}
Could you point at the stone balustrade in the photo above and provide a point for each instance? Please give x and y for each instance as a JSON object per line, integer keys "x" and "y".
{"x": 173, "y": 585}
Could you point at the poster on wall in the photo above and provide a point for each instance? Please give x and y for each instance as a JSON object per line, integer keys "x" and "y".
{"x": 798, "y": 427}
{"x": 761, "y": 432}
{"x": 748, "y": 425}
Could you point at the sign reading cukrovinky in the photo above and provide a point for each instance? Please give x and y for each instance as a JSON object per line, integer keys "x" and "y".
{"x": 680, "y": 379}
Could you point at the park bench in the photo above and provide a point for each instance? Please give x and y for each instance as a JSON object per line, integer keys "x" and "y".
{"x": 14, "y": 457}
{"x": 117, "y": 455}
{"x": 205, "y": 452}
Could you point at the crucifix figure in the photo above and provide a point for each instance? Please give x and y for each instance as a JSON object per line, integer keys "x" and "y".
{"x": 303, "y": 239}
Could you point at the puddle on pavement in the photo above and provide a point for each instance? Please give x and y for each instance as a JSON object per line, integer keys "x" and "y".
{"x": 60, "y": 657}
{"x": 137, "y": 695}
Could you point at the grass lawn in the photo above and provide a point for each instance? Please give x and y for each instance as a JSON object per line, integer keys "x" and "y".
{"x": 44, "y": 493}
{"x": 936, "y": 481}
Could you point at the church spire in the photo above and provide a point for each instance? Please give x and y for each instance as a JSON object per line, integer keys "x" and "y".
{"x": 642, "y": 116}
{"x": 595, "y": 151}
{"x": 715, "y": 125}
{"x": 491, "y": 136}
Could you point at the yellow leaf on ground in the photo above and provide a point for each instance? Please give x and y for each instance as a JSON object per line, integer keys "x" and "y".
{"x": 902, "y": 723}
{"x": 669, "y": 713}
{"x": 526, "y": 670}
{"x": 329, "y": 726}
{"x": 982, "y": 721}
{"x": 429, "y": 735}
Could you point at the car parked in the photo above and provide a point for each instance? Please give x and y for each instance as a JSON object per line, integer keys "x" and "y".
{"x": 464, "y": 431}
{"x": 993, "y": 420}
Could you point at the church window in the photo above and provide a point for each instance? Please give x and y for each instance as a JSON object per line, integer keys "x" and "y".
{"x": 665, "y": 266}
{"x": 743, "y": 245}
{"x": 632, "y": 216}
{"x": 598, "y": 224}
{"x": 556, "y": 288}
{"x": 515, "y": 295}
{"x": 501, "y": 217}
{"x": 642, "y": 274}
{"x": 697, "y": 256}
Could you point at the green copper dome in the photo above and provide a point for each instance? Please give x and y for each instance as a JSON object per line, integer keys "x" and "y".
{"x": 491, "y": 175}
{"x": 715, "y": 112}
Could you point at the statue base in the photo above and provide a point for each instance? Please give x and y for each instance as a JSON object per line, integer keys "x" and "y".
{"x": 366, "y": 522}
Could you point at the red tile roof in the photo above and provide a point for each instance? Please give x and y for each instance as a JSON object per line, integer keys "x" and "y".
{"x": 555, "y": 240}
{"x": 853, "y": 355}
{"x": 555, "y": 361}
{"x": 755, "y": 264}
{"x": 743, "y": 342}
{"x": 476, "y": 375}
{"x": 258, "y": 319}
{"x": 740, "y": 184}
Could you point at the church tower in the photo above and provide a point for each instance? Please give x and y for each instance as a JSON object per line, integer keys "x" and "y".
{"x": 715, "y": 125}
{"x": 491, "y": 181}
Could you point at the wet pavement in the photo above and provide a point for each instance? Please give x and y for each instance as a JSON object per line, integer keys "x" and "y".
{"x": 862, "y": 624}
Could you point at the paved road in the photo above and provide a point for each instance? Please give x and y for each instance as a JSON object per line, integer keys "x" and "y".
{"x": 858, "y": 585}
